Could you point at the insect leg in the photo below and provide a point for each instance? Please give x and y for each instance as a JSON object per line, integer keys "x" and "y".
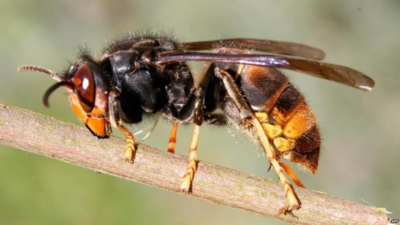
{"x": 234, "y": 94}
{"x": 172, "y": 138}
{"x": 248, "y": 117}
{"x": 294, "y": 201}
{"x": 197, "y": 120}
{"x": 192, "y": 165}
{"x": 130, "y": 150}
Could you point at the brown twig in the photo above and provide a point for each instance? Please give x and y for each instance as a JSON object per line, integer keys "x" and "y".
{"x": 42, "y": 135}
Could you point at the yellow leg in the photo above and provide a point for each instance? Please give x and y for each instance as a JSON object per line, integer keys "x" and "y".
{"x": 130, "y": 150}
{"x": 294, "y": 201}
{"x": 247, "y": 115}
{"x": 192, "y": 165}
{"x": 172, "y": 138}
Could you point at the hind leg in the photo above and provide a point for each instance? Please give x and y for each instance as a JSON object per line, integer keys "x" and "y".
{"x": 249, "y": 118}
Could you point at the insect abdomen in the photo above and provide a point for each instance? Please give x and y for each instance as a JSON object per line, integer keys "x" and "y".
{"x": 285, "y": 116}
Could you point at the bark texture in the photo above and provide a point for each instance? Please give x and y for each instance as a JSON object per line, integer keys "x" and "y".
{"x": 46, "y": 136}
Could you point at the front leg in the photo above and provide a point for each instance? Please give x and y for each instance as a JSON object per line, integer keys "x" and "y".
{"x": 115, "y": 120}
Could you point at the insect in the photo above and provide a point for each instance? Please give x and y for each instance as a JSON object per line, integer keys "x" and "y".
{"x": 140, "y": 75}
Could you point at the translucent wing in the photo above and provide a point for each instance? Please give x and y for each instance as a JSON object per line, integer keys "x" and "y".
{"x": 277, "y": 47}
{"x": 332, "y": 72}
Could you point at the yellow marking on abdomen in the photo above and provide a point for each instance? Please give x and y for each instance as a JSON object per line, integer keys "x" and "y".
{"x": 300, "y": 123}
{"x": 261, "y": 116}
{"x": 283, "y": 144}
{"x": 272, "y": 131}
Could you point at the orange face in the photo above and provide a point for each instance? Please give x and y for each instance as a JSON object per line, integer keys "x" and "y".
{"x": 96, "y": 122}
{"x": 89, "y": 102}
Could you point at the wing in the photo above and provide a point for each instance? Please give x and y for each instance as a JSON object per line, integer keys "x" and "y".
{"x": 332, "y": 72}
{"x": 277, "y": 47}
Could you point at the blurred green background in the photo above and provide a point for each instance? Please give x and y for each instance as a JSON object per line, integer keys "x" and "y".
{"x": 360, "y": 130}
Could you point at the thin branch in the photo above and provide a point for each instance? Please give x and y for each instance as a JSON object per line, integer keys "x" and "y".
{"x": 46, "y": 136}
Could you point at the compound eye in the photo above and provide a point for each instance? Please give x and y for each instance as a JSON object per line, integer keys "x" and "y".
{"x": 85, "y": 87}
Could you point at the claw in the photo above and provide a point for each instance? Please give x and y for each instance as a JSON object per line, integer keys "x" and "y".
{"x": 288, "y": 210}
{"x": 270, "y": 166}
{"x": 185, "y": 186}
